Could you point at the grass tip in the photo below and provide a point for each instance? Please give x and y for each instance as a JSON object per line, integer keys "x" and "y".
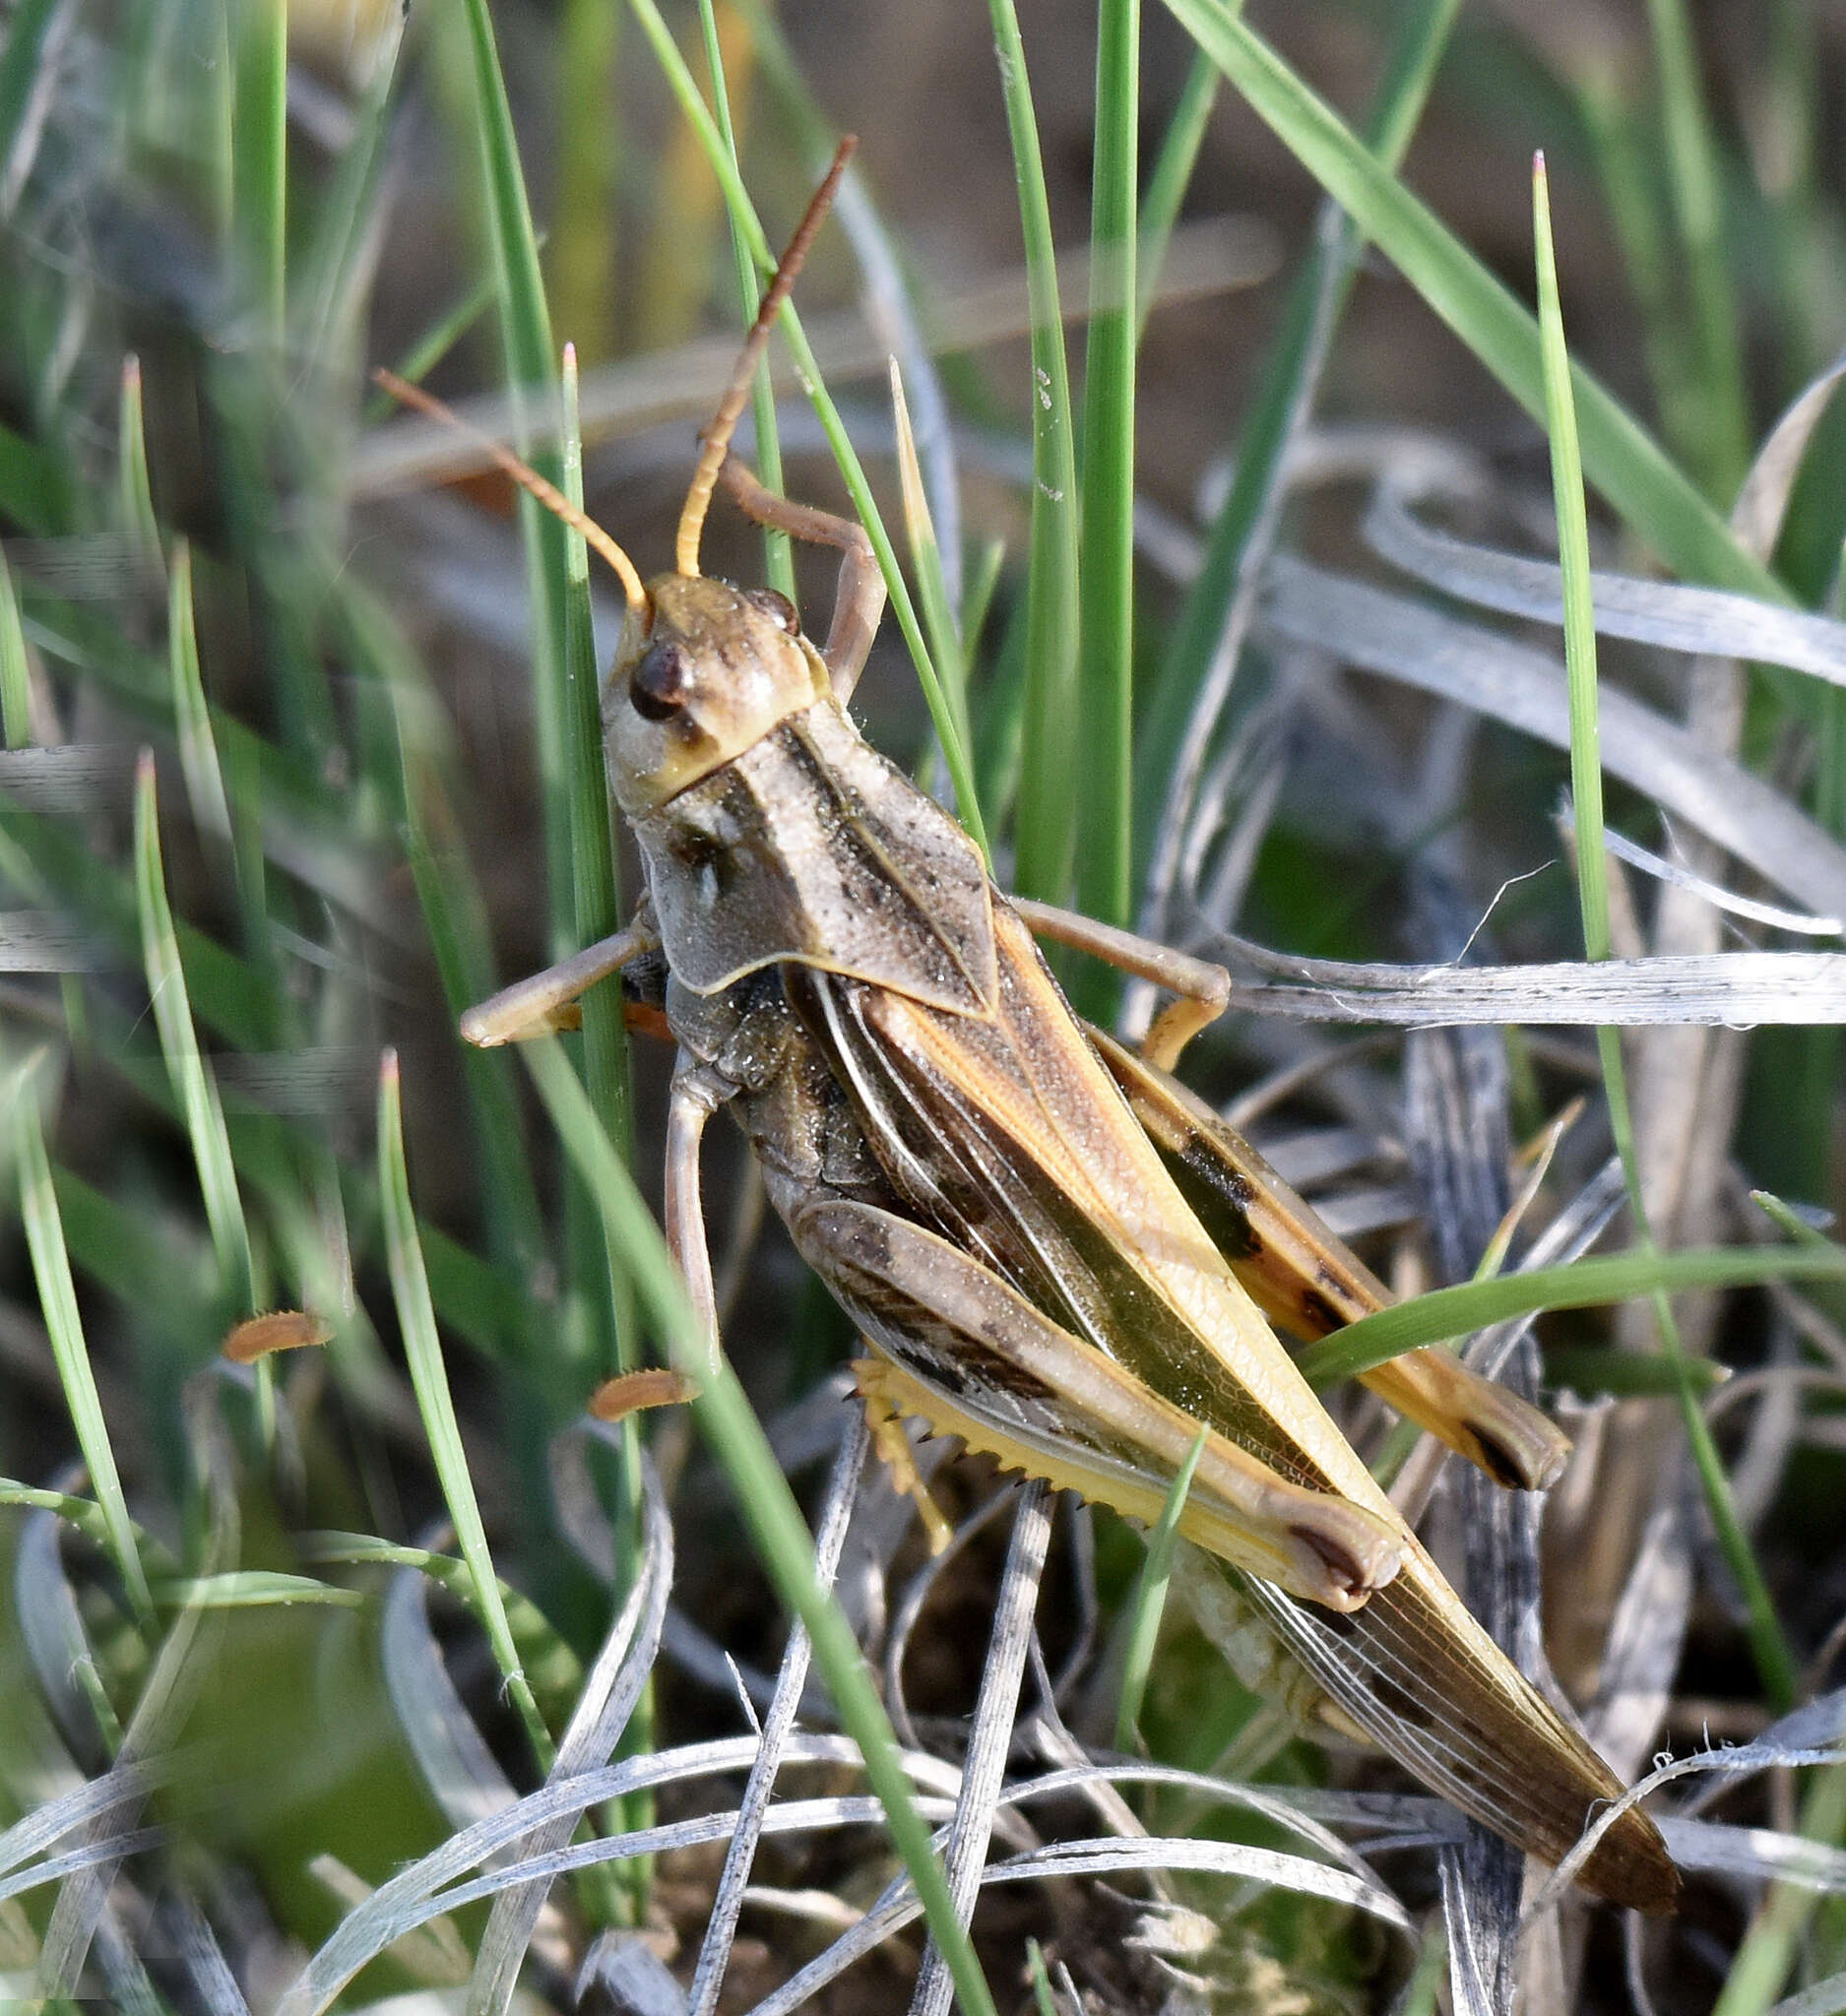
{"x": 387, "y": 1067}
{"x": 145, "y": 771}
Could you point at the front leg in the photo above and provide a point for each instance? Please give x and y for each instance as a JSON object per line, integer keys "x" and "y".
{"x": 857, "y": 600}
{"x": 546, "y": 1003}
{"x": 1204, "y": 990}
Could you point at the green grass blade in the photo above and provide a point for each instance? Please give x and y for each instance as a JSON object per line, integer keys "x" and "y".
{"x": 198, "y": 748}
{"x": 778, "y": 555}
{"x": 1173, "y": 174}
{"x": 1775, "y": 1660}
{"x": 57, "y": 1295}
{"x": 1692, "y": 175}
{"x": 582, "y": 253}
{"x": 1149, "y": 1603}
{"x": 1049, "y": 791}
{"x": 1650, "y": 495}
{"x": 134, "y": 487}
{"x": 16, "y": 690}
{"x": 259, "y": 152}
{"x": 595, "y": 885}
{"x": 1105, "y": 772}
{"x": 782, "y": 1538}
{"x": 422, "y": 1352}
{"x": 1597, "y": 1368}
{"x": 685, "y": 91}
{"x": 1774, "y": 1940}
{"x": 190, "y": 1071}
{"x": 1167, "y": 756}
{"x": 526, "y": 336}
{"x": 932, "y": 589}
{"x": 1451, "y": 1312}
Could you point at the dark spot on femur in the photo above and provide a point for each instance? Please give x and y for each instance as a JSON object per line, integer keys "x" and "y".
{"x": 775, "y": 606}
{"x": 660, "y": 684}
{"x": 1318, "y": 1311}
{"x": 1500, "y": 1461}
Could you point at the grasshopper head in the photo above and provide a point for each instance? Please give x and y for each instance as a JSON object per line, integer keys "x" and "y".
{"x": 713, "y": 671}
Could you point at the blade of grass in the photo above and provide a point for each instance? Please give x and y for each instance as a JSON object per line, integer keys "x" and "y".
{"x": 783, "y": 1544}
{"x": 1693, "y": 178}
{"x": 595, "y": 884}
{"x": 1105, "y": 772}
{"x": 1049, "y": 791}
{"x": 526, "y": 337}
{"x": 925, "y": 552}
{"x": 26, "y": 65}
{"x": 260, "y": 152}
{"x": 685, "y": 91}
{"x": 195, "y": 1085}
{"x": 1449, "y": 1312}
{"x": 198, "y": 749}
{"x": 16, "y": 693}
{"x": 417, "y": 1319}
{"x": 1149, "y": 1603}
{"x": 1774, "y": 1939}
{"x": 57, "y": 1295}
{"x": 133, "y": 489}
{"x": 1181, "y": 711}
{"x": 778, "y": 555}
{"x": 582, "y": 254}
{"x": 1649, "y": 494}
{"x": 1775, "y": 1660}
{"x": 1596, "y": 1368}
{"x": 1173, "y": 174}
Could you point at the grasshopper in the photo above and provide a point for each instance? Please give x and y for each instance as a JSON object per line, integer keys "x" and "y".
{"x": 1053, "y": 1250}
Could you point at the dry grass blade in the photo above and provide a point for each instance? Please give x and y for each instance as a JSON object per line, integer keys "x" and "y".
{"x": 728, "y": 1905}
{"x": 988, "y": 1741}
{"x": 1525, "y": 689}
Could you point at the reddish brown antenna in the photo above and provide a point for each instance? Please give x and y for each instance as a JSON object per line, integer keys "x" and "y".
{"x": 717, "y": 437}
{"x": 527, "y": 477}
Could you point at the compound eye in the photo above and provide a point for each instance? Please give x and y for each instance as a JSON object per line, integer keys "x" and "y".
{"x": 778, "y": 607}
{"x": 658, "y": 686}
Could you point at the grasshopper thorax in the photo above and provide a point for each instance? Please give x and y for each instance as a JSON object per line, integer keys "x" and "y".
{"x": 706, "y": 674}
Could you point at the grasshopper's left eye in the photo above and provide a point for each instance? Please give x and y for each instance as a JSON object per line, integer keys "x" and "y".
{"x": 776, "y": 605}
{"x": 659, "y": 685}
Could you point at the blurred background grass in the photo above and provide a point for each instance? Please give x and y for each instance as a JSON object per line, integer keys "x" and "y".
{"x": 374, "y": 790}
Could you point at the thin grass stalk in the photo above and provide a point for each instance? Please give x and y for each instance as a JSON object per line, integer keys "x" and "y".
{"x": 1050, "y": 790}
{"x": 134, "y": 489}
{"x": 259, "y": 163}
{"x": 782, "y": 1539}
{"x": 685, "y": 91}
{"x": 1171, "y": 748}
{"x": 422, "y": 1353}
{"x": 1692, "y": 178}
{"x": 1769, "y": 1647}
{"x": 16, "y": 690}
{"x": 194, "y": 1085}
{"x": 1172, "y": 177}
{"x": 595, "y": 878}
{"x": 582, "y": 254}
{"x": 941, "y": 620}
{"x": 778, "y": 552}
{"x": 1148, "y": 1604}
{"x": 736, "y": 196}
{"x": 526, "y": 338}
{"x": 57, "y": 1296}
{"x": 1650, "y": 495}
{"x": 1104, "y": 805}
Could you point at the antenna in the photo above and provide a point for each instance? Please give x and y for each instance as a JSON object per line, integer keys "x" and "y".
{"x": 717, "y": 437}
{"x": 527, "y": 477}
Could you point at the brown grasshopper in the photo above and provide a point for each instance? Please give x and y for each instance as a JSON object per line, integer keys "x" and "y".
{"x": 1054, "y": 1251}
